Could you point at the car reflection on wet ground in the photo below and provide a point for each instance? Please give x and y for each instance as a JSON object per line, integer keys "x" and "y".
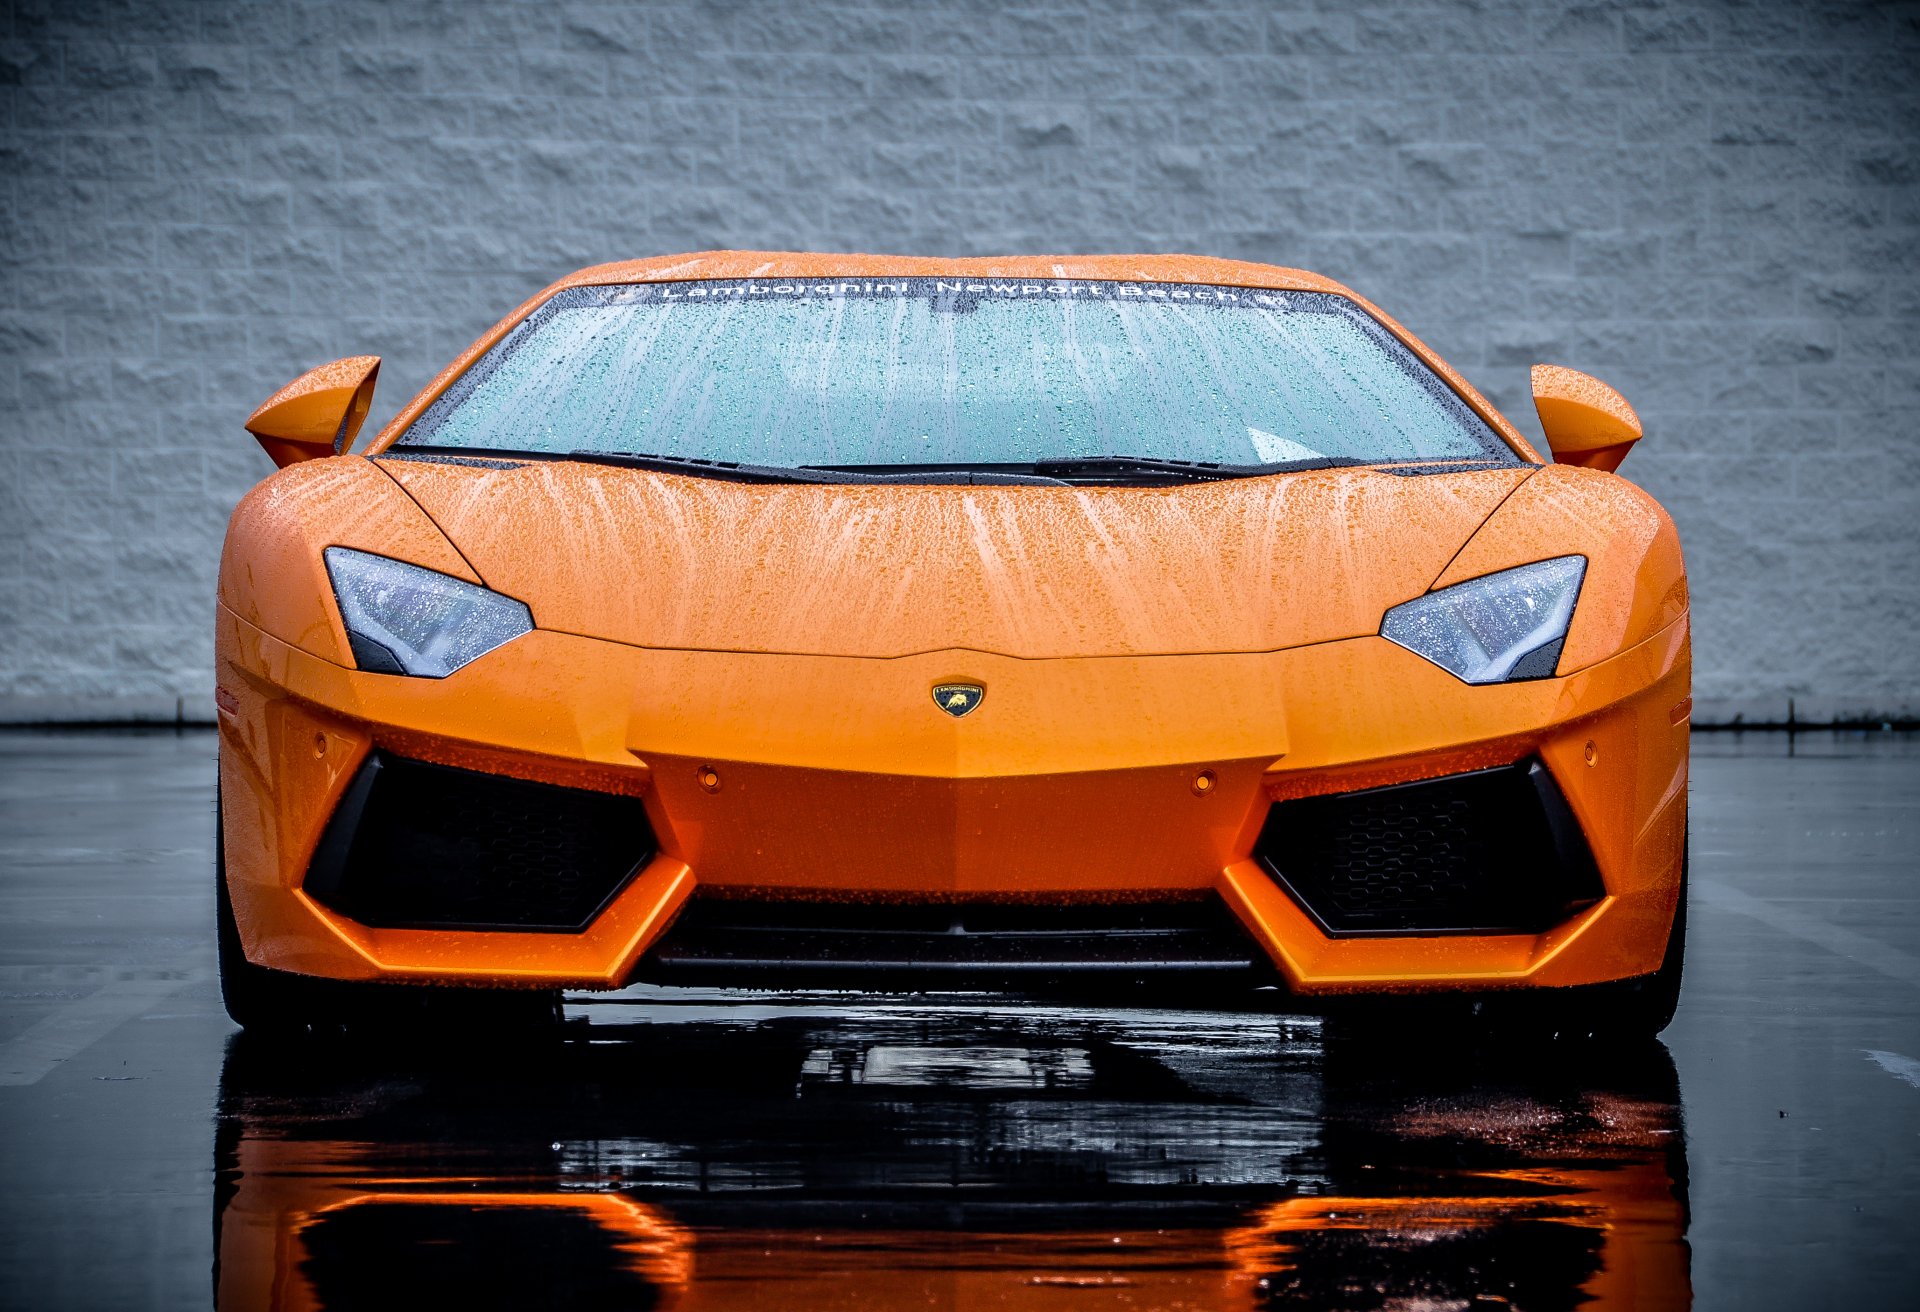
{"x": 813, "y": 1155}
{"x": 683, "y": 1150}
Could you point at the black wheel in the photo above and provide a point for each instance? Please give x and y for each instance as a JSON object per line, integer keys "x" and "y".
{"x": 1627, "y": 1011}
{"x": 261, "y": 999}
{"x": 255, "y": 997}
{"x": 1648, "y": 1003}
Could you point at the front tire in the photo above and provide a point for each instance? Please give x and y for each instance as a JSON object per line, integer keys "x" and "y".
{"x": 260, "y": 999}
{"x": 1647, "y": 1004}
{"x": 1630, "y": 1010}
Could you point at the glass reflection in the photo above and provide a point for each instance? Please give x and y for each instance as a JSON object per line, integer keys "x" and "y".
{"x": 682, "y": 1154}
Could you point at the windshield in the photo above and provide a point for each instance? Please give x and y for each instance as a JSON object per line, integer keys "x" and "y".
{"x": 954, "y": 373}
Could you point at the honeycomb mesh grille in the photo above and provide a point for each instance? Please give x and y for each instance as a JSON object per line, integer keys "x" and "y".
{"x": 414, "y": 845}
{"x": 1495, "y": 851}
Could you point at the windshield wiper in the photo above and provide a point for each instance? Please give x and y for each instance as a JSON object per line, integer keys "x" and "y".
{"x": 732, "y": 470}
{"x": 727, "y": 469}
{"x": 1055, "y": 471}
{"x": 951, "y": 472}
{"x": 1070, "y": 466}
{"x": 736, "y": 471}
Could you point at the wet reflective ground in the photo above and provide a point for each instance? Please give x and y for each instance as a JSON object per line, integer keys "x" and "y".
{"x": 690, "y": 1151}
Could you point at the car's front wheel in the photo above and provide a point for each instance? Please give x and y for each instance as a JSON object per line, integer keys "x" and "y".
{"x": 1632, "y": 1009}
{"x": 261, "y": 999}
{"x": 1647, "y": 1004}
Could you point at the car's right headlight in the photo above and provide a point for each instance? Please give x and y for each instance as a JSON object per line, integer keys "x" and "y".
{"x": 402, "y": 619}
{"x": 1496, "y": 628}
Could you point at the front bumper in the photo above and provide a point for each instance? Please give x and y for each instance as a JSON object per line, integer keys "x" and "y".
{"x": 1076, "y": 781}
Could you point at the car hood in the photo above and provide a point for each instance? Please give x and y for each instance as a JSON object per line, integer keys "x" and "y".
{"x": 868, "y": 570}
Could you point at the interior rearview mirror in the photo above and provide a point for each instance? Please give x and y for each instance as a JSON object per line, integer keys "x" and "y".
{"x": 317, "y": 414}
{"x": 1586, "y": 422}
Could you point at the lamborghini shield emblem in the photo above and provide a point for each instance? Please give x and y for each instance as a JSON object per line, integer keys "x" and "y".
{"x": 957, "y": 699}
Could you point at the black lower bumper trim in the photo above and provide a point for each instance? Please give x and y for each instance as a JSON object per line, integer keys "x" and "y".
{"x": 806, "y": 944}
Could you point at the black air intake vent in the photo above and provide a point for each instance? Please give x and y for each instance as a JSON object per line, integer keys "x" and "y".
{"x": 419, "y": 846}
{"x": 1492, "y": 852}
{"x": 811, "y": 944}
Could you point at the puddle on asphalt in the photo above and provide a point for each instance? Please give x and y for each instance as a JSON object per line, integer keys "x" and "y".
{"x": 931, "y": 1067}
{"x": 694, "y": 1156}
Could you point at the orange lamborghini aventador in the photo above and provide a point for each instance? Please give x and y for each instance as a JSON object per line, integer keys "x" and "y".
{"x": 819, "y": 621}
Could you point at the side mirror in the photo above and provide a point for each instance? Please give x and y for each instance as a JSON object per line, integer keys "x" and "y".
{"x": 1587, "y": 423}
{"x": 318, "y": 413}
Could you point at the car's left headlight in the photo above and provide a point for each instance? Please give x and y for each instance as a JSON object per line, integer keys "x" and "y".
{"x": 402, "y": 619}
{"x": 1495, "y": 628}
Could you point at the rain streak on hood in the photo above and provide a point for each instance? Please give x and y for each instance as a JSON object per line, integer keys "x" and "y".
{"x": 1238, "y": 565}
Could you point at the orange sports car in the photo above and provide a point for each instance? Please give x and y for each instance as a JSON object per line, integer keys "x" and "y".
{"x": 831, "y": 621}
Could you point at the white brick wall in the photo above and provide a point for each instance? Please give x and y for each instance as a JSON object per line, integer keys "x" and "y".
{"x": 1711, "y": 205}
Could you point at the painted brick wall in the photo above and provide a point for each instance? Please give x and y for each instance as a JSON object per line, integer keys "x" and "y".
{"x": 1711, "y": 205}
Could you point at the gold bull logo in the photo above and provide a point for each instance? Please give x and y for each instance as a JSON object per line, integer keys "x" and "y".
{"x": 957, "y": 699}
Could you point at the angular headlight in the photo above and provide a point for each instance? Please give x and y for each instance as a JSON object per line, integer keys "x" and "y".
{"x": 1495, "y": 628}
{"x": 402, "y": 619}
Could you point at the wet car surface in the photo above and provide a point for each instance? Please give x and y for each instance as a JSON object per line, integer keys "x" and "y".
{"x": 689, "y": 1150}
